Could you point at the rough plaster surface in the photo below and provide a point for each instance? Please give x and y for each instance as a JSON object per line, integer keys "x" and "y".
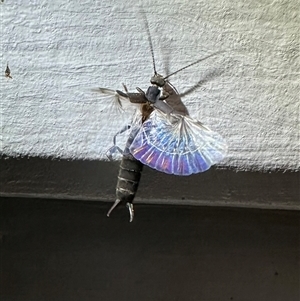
{"x": 58, "y": 50}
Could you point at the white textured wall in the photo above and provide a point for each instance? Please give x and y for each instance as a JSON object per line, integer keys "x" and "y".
{"x": 58, "y": 50}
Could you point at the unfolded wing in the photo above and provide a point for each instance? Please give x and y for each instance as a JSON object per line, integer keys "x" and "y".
{"x": 118, "y": 108}
{"x": 177, "y": 144}
{"x": 118, "y": 113}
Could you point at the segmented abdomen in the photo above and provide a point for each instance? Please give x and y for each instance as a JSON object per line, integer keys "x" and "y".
{"x": 128, "y": 178}
{"x": 130, "y": 168}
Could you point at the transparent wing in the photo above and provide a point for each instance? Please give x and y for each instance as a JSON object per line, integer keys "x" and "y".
{"x": 115, "y": 112}
{"x": 118, "y": 108}
{"x": 177, "y": 144}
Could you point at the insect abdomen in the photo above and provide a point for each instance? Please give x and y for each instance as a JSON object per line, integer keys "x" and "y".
{"x": 128, "y": 178}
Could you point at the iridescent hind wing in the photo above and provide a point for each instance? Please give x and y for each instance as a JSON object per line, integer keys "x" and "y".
{"x": 176, "y": 144}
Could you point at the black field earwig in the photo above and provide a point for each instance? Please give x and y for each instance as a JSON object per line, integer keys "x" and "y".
{"x": 163, "y": 97}
{"x": 131, "y": 168}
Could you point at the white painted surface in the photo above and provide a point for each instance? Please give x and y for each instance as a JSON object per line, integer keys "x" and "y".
{"x": 58, "y": 50}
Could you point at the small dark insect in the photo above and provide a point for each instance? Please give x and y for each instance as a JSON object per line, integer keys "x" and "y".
{"x": 7, "y": 72}
{"x": 162, "y": 135}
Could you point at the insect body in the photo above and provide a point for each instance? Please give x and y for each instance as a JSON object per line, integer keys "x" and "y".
{"x": 7, "y": 72}
{"x": 131, "y": 168}
{"x": 162, "y": 136}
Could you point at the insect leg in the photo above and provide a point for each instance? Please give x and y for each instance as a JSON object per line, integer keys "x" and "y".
{"x": 115, "y": 148}
{"x": 125, "y": 88}
{"x": 137, "y": 98}
{"x": 122, "y": 94}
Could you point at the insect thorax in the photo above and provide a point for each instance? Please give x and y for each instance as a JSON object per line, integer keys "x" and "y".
{"x": 153, "y": 94}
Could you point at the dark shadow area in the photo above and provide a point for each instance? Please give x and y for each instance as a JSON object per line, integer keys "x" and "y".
{"x": 96, "y": 180}
{"x": 69, "y": 250}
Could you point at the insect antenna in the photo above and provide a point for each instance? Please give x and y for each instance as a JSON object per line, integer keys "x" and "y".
{"x": 149, "y": 39}
{"x": 194, "y": 63}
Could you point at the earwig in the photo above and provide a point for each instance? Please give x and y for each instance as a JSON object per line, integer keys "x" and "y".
{"x": 161, "y": 95}
{"x": 131, "y": 168}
